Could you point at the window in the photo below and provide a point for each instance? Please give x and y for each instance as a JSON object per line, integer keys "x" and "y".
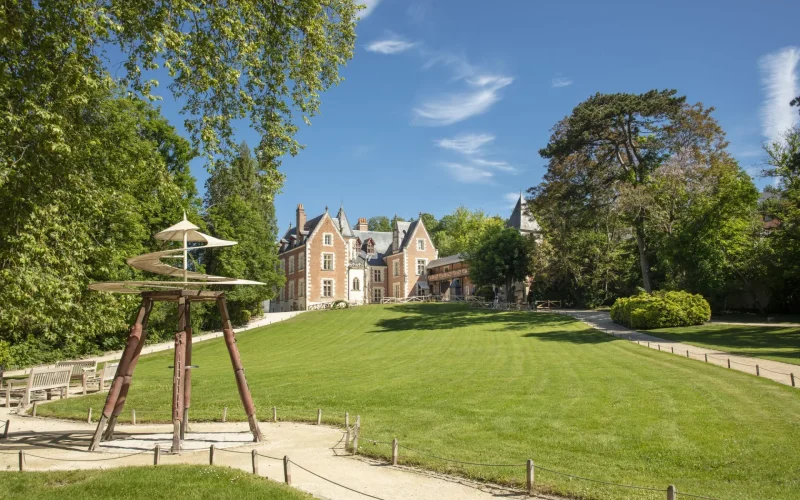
{"x": 420, "y": 290}
{"x": 283, "y": 266}
{"x": 291, "y": 290}
{"x": 356, "y": 284}
{"x": 327, "y": 239}
{"x": 327, "y": 262}
{"x": 301, "y": 288}
{"x": 421, "y": 263}
{"x": 397, "y": 289}
{"x": 421, "y": 244}
{"x": 377, "y": 275}
{"x": 301, "y": 262}
{"x": 327, "y": 288}
{"x": 291, "y": 264}
{"x": 396, "y": 268}
{"x": 281, "y": 294}
{"x": 370, "y": 246}
{"x": 377, "y": 294}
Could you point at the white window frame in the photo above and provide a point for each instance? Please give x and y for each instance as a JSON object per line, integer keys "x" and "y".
{"x": 356, "y": 284}
{"x": 333, "y": 288}
{"x": 396, "y": 291}
{"x": 396, "y": 267}
{"x": 291, "y": 290}
{"x": 380, "y": 275}
{"x": 326, "y": 237}
{"x": 379, "y": 292}
{"x": 291, "y": 264}
{"x": 282, "y": 295}
{"x": 421, "y": 244}
{"x": 301, "y": 288}
{"x": 301, "y": 261}
{"x": 333, "y": 261}
{"x": 424, "y": 266}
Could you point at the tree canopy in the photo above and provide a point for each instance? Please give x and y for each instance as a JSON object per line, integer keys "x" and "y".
{"x": 501, "y": 259}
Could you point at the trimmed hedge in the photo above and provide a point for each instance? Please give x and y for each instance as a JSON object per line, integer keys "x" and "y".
{"x": 661, "y": 310}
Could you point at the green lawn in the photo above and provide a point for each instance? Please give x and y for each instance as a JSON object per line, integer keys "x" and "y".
{"x": 502, "y": 387}
{"x": 768, "y": 342}
{"x": 167, "y": 482}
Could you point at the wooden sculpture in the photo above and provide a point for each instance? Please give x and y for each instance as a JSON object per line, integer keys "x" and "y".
{"x": 184, "y": 292}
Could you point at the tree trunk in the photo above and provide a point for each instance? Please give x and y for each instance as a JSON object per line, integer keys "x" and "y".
{"x": 639, "y": 230}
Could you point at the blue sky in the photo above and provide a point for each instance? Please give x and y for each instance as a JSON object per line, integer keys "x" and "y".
{"x": 447, "y": 102}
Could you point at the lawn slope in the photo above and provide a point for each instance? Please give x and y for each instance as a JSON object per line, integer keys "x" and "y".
{"x": 502, "y": 387}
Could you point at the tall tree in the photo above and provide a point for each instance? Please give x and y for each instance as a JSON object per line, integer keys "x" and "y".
{"x": 614, "y": 142}
{"x": 379, "y": 223}
{"x": 500, "y": 259}
{"x": 464, "y": 230}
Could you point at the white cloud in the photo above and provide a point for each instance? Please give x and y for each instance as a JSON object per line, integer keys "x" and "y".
{"x": 391, "y": 45}
{"x": 498, "y": 165}
{"x": 779, "y": 77}
{"x": 559, "y": 81}
{"x": 467, "y": 144}
{"x": 369, "y": 6}
{"x": 458, "y": 64}
{"x": 455, "y": 107}
{"x": 467, "y": 173}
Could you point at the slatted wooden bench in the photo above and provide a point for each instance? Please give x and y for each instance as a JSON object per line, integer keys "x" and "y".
{"x": 106, "y": 375}
{"x": 40, "y": 379}
{"x": 81, "y": 370}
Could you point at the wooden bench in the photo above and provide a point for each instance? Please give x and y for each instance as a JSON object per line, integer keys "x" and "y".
{"x": 81, "y": 370}
{"x": 40, "y": 379}
{"x": 106, "y": 375}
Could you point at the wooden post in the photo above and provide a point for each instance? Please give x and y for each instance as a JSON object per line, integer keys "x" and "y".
{"x": 672, "y": 493}
{"x": 346, "y": 419}
{"x": 21, "y": 460}
{"x": 530, "y": 476}
{"x": 394, "y": 451}
{"x": 254, "y": 455}
{"x": 347, "y": 439}
{"x": 659, "y": 347}
{"x": 84, "y": 382}
{"x": 178, "y": 373}
{"x": 648, "y": 345}
{"x": 238, "y": 369}
{"x": 33, "y": 411}
{"x": 176, "y": 436}
{"x": 211, "y": 455}
{"x": 287, "y": 471}
{"x": 156, "y": 455}
{"x": 89, "y": 416}
{"x": 758, "y": 371}
{"x": 706, "y": 355}
{"x": 356, "y": 432}
{"x": 792, "y": 376}
{"x": 319, "y": 416}
{"x": 127, "y": 375}
{"x": 729, "y": 362}
{"x": 8, "y": 422}
{"x": 187, "y": 372}
{"x": 133, "y": 417}
{"x": 225, "y": 414}
{"x": 687, "y": 353}
{"x": 274, "y": 414}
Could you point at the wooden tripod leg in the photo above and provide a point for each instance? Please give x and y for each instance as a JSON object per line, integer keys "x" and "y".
{"x": 179, "y": 369}
{"x": 108, "y": 435}
{"x": 187, "y": 374}
{"x": 238, "y": 369}
{"x": 116, "y": 386}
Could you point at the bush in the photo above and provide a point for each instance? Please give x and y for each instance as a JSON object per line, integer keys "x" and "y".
{"x": 661, "y": 310}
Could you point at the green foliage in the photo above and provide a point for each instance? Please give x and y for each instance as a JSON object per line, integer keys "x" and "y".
{"x": 379, "y": 223}
{"x": 463, "y": 231}
{"x": 501, "y": 259}
{"x": 661, "y": 310}
{"x": 340, "y": 304}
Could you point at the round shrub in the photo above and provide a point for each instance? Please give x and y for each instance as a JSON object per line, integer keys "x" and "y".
{"x": 661, "y": 310}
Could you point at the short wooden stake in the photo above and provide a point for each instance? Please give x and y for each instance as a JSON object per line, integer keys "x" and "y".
{"x": 792, "y": 375}
{"x": 33, "y": 411}
{"x": 706, "y": 355}
{"x": 287, "y": 471}
{"x": 319, "y": 416}
{"x": 729, "y": 362}
{"x": 274, "y": 414}
{"x": 133, "y": 417}
{"x": 347, "y": 439}
{"x": 156, "y": 455}
{"x": 659, "y": 347}
{"x": 21, "y": 460}
{"x": 225, "y": 414}
{"x": 530, "y": 477}
{"x": 89, "y": 417}
{"x": 671, "y": 492}
{"x": 211, "y": 455}
{"x": 8, "y": 422}
{"x": 394, "y": 451}
{"x": 687, "y": 353}
{"x": 356, "y": 432}
{"x": 346, "y": 419}
{"x": 254, "y": 455}
{"x": 758, "y": 372}
{"x": 648, "y": 345}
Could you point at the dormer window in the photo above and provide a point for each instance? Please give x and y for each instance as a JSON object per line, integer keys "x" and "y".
{"x": 370, "y": 246}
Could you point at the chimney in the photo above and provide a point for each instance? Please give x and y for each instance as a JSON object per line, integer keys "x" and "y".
{"x": 362, "y": 225}
{"x": 301, "y": 218}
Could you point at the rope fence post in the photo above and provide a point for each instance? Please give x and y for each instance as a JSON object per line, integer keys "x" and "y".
{"x": 659, "y": 347}
{"x": 346, "y": 419}
{"x": 89, "y": 416}
{"x": 706, "y": 355}
{"x": 319, "y": 416}
{"x": 21, "y": 460}
{"x": 133, "y": 417}
{"x": 156, "y": 455}
{"x": 356, "y": 432}
{"x": 224, "y": 414}
{"x": 347, "y": 439}
{"x": 33, "y": 411}
{"x": 255, "y": 462}
{"x": 394, "y": 451}
{"x": 729, "y": 362}
{"x": 530, "y": 476}
{"x": 211, "y": 455}
{"x": 687, "y": 353}
{"x": 287, "y": 471}
{"x": 8, "y": 422}
{"x": 274, "y": 414}
{"x": 672, "y": 493}
{"x": 758, "y": 372}
{"x": 792, "y": 375}
{"x": 673, "y": 349}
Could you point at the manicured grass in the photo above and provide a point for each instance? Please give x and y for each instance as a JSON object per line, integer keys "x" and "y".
{"x": 757, "y": 318}
{"x": 167, "y": 482}
{"x": 502, "y": 387}
{"x": 768, "y": 342}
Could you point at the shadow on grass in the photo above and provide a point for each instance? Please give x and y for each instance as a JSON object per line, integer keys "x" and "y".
{"x": 428, "y": 317}
{"x": 752, "y": 340}
{"x": 575, "y": 337}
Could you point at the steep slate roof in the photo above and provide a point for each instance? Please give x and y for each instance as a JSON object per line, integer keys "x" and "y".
{"x": 343, "y": 224}
{"x": 383, "y": 243}
{"x": 409, "y": 230}
{"x": 521, "y": 218}
{"x": 307, "y": 229}
{"x": 450, "y": 259}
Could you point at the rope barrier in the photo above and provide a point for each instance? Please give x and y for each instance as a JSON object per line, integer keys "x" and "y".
{"x": 234, "y": 451}
{"x": 271, "y": 458}
{"x": 334, "y": 482}
{"x": 458, "y": 461}
{"x": 87, "y": 459}
{"x": 631, "y": 486}
{"x": 682, "y": 494}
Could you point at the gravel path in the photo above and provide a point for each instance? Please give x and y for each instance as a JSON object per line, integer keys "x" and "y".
{"x": 51, "y": 444}
{"x": 773, "y": 370}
